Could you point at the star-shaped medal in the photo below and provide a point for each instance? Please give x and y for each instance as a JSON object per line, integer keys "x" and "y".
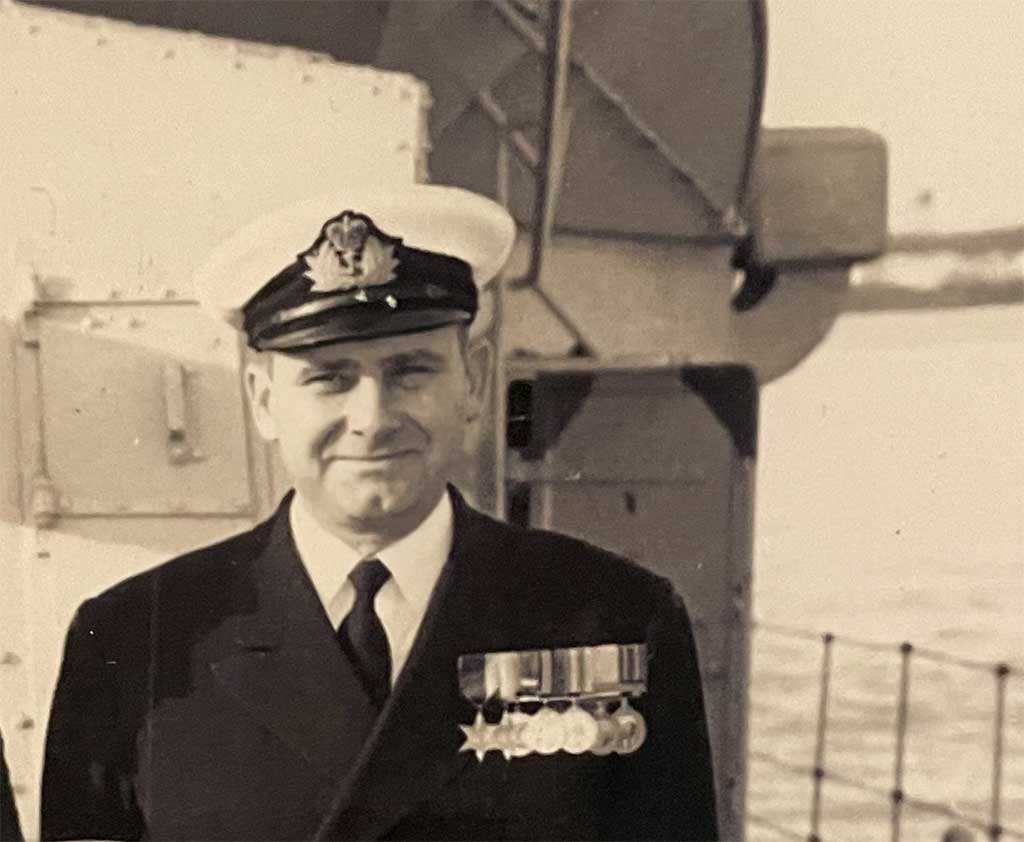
{"x": 479, "y": 737}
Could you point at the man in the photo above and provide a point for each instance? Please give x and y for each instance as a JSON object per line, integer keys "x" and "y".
{"x": 359, "y": 666}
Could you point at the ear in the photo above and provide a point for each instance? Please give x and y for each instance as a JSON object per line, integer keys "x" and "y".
{"x": 259, "y": 386}
{"x": 478, "y": 368}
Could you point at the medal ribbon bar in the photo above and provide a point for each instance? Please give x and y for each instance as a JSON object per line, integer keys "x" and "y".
{"x": 580, "y": 673}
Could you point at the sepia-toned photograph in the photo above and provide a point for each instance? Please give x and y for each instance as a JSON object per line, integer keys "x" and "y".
{"x": 512, "y": 420}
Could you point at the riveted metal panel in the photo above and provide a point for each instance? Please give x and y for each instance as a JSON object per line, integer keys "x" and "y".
{"x": 177, "y": 141}
{"x": 142, "y": 412}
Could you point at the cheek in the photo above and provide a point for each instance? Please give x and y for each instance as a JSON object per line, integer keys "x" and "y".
{"x": 440, "y": 412}
{"x": 300, "y": 425}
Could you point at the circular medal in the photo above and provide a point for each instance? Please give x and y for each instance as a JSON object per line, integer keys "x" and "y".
{"x": 580, "y": 730}
{"x": 509, "y": 734}
{"x": 517, "y": 723}
{"x": 631, "y": 727}
{"x": 543, "y": 733}
{"x": 607, "y": 731}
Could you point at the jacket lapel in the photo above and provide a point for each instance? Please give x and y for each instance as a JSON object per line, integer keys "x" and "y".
{"x": 285, "y": 667}
{"x": 414, "y": 750}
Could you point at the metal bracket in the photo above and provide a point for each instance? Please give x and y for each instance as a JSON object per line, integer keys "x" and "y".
{"x": 180, "y": 449}
{"x": 45, "y": 504}
{"x": 28, "y": 329}
{"x": 536, "y": 435}
{"x": 22, "y": 302}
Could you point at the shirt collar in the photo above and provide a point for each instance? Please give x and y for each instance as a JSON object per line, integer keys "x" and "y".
{"x": 415, "y": 561}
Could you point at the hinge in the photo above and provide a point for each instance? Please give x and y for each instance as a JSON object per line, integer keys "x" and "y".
{"x": 28, "y": 328}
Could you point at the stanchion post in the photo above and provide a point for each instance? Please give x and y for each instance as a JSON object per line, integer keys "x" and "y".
{"x": 995, "y": 829}
{"x": 902, "y": 708}
{"x": 818, "y": 772}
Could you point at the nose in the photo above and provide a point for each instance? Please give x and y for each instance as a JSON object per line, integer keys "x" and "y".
{"x": 367, "y": 409}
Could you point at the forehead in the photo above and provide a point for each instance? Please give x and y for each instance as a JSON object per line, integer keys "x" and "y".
{"x": 441, "y": 342}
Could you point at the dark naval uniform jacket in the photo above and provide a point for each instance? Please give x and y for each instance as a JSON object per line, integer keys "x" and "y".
{"x": 208, "y": 699}
{"x": 10, "y": 826}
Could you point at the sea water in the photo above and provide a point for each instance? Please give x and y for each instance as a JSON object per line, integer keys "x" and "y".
{"x": 890, "y": 508}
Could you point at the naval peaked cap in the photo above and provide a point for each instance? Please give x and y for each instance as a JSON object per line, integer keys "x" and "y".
{"x": 356, "y": 265}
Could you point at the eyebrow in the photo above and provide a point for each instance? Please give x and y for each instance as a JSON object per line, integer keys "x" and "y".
{"x": 419, "y": 355}
{"x": 328, "y": 366}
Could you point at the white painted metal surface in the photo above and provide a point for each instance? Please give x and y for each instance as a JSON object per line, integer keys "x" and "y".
{"x": 128, "y": 152}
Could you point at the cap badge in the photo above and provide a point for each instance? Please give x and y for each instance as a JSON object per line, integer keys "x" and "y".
{"x": 350, "y": 255}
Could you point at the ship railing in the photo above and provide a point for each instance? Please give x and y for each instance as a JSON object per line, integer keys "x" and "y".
{"x": 900, "y": 800}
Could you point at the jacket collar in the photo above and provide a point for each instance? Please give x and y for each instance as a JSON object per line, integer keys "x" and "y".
{"x": 414, "y": 749}
{"x": 283, "y": 664}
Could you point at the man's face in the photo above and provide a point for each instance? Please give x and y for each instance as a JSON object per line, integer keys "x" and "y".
{"x": 368, "y": 430}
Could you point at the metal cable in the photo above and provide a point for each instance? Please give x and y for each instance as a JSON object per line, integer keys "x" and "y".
{"x": 898, "y": 798}
{"x": 875, "y": 646}
{"x": 921, "y": 804}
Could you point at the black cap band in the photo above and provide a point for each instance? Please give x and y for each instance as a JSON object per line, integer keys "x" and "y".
{"x": 356, "y": 282}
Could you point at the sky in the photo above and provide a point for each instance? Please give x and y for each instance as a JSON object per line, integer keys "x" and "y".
{"x": 889, "y": 476}
{"x": 940, "y": 80}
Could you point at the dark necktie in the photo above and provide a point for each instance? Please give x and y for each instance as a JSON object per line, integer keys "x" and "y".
{"x": 362, "y": 635}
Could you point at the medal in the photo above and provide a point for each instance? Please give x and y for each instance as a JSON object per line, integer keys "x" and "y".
{"x": 607, "y": 731}
{"x": 502, "y": 675}
{"x": 543, "y": 732}
{"x": 479, "y": 737}
{"x": 601, "y": 669}
{"x": 582, "y": 681}
{"x": 633, "y": 668}
{"x": 472, "y": 678}
{"x": 518, "y": 720}
{"x": 631, "y": 728}
{"x": 509, "y": 734}
{"x": 580, "y": 730}
{"x": 567, "y": 671}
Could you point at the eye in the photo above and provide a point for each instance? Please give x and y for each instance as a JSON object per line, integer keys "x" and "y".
{"x": 412, "y": 376}
{"x": 330, "y": 382}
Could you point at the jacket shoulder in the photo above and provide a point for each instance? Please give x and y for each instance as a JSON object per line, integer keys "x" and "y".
{"x": 209, "y": 569}
{"x": 557, "y": 563}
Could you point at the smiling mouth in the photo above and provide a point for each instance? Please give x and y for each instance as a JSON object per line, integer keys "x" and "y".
{"x": 376, "y": 457}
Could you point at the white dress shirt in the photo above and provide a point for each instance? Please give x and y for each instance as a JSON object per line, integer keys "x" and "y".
{"x": 415, "y": 562}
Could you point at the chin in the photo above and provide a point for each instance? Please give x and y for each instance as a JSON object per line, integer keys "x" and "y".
{"x": 365, "y": 497}
{"x": 373, "y": 501}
